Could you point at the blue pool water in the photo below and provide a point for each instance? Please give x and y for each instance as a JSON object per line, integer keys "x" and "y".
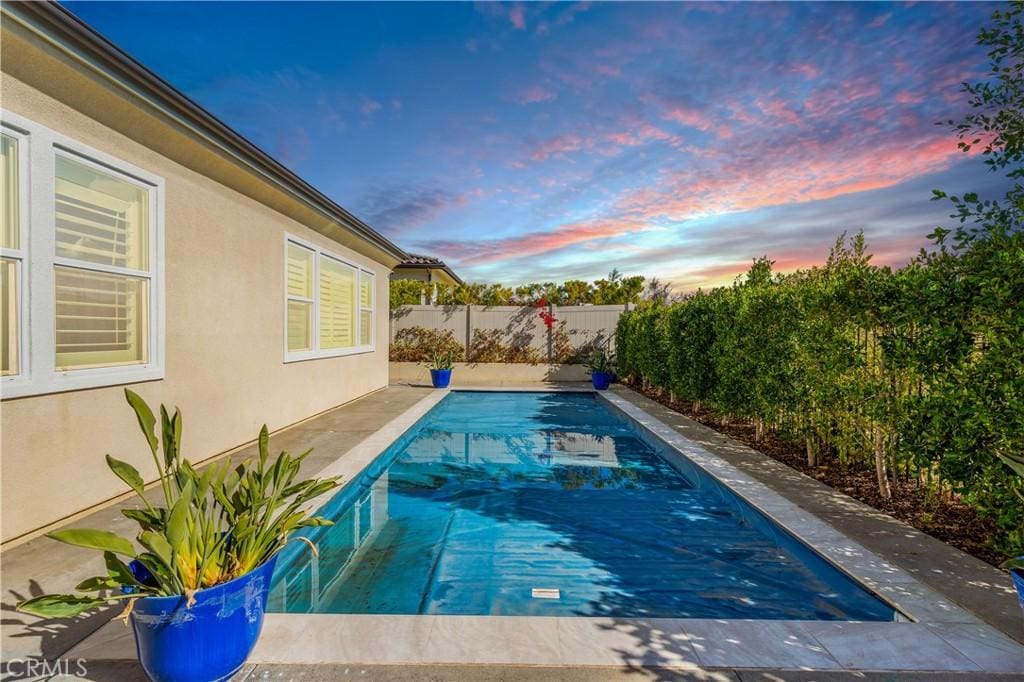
{"x": 552, "y": 504}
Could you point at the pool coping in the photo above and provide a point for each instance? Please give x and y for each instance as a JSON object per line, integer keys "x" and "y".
{"x": 941, "y": 637}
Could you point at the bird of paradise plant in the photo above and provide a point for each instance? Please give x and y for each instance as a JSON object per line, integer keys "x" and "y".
{"x": 213, "y": 526}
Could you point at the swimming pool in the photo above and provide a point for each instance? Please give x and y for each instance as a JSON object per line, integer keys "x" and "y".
{"x": 552, "y": 504}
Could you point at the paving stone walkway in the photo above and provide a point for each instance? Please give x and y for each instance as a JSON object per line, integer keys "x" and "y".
{"x": 130, "y": 672}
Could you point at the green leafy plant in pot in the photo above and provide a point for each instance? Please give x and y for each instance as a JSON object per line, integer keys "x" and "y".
{"x": 601, "y": 366}
{"x": 441, "y": 363}
{"x": 196, "y": 578}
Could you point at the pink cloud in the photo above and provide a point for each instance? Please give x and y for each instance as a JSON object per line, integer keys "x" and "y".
{"x": 880, "y": 20}
{"x": 778, "y": 109}
{"x": 517, "y": 16}
{"x": 806, "y": 70}
{"x": 640, "y": 133}
{"x": 688, "y": 117}
{"x": 700, "y": 120}
{"x": 763, "y": 175}
{"x": 535, "y": 94}
{"x": 831, "y": 100}
{"x": 904, "y": 97}
{"x": 560, "y": 144}
{"x": 606, "y": 70}
{"x": 740, "y": 113}
{"x": 369, "y": 106}
{"x": 533, "y": 243}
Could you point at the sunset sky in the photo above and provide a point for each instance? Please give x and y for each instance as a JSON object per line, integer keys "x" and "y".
{"x": 527, "y": 142}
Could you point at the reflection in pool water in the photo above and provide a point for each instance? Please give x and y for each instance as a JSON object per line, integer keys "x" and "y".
{"x": 551, "y": 504}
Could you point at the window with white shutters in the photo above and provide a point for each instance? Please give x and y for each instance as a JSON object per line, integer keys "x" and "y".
{"x": 328, "y": 310}
{"x": 80, "y": 266}
{"x": 101, "y": 273}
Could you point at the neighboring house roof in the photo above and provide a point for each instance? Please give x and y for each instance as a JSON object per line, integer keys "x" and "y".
{"x": 69, "y": 32}
{"x": 415, "y": 261}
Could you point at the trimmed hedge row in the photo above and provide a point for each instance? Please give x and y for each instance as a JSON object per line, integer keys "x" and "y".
{"x": 916, "y": 372}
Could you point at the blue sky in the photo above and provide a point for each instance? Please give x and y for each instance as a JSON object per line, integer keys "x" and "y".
{"x": 542, "y": 141}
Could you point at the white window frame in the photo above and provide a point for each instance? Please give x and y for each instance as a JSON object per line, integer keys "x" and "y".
{"x": 38, "y": 374}
{"x": 21, "y": 257}
{"x": 315, "y": 353}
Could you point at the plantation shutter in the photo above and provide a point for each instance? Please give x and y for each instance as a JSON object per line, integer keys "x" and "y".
{"x": 101, "y": 279}
{"x": 366, "y": 281}
{"x": 10, "y": 263}
{"x": 11, "y": 209}
{"x": 300, "y": 298}
{"x": 337, "y": 304}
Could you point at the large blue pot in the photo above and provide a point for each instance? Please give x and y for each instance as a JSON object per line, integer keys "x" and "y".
{"x": 440, "y": 378}
{"x": 601, "y": 380}
{"x": 1018, "y": 581}
{"x": 209, "y": 641}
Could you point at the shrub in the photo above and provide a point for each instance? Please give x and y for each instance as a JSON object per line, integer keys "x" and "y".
{"x": 913, "y": 373}
{"x": 487, "y": 346}
{"x": 418, "y": 344}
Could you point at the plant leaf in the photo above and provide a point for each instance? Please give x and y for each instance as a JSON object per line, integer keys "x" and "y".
{"x": 94, "y": 539}
{"x": 158, "y": 545}
{"x": 145, "y": 518}
{"x": 264, "y": 444}
{"x": 118, "y": 570}
{"x": 97, "y": 583}
{"x": 60, "y": 605}
{"x": 127, "y": 473}
{"x": 167, "y": 434}
{"x": 177, "y": 520}
{"x": 145, "y": 416}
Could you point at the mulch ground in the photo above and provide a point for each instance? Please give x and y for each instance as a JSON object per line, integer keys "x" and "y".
{"x": 949, "y": 520}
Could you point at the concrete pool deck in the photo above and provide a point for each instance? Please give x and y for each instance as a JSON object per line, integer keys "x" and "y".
{"x": 961, "y": 604}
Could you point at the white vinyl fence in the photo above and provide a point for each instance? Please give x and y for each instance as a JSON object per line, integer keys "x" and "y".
{"x": 584, "y": 326}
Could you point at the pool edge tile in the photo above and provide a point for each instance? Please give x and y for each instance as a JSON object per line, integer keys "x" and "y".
{"x": 625, "y": 642}
{"x": 782, "y": 644}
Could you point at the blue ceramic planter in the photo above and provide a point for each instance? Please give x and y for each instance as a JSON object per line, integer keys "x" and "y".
{"x": 440, "y": 378}
{"x": 1018, "y": 582}
{"x": 601, "y": 380}
{"x": 208, "y": 641}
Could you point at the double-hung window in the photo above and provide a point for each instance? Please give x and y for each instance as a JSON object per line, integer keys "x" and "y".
{"x": 329, "y": 303}
{"x": 81, "y": 265}
{"x": 13, "y": 250}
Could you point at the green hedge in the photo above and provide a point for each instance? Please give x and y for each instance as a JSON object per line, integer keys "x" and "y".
{"x": 914, "y": 373}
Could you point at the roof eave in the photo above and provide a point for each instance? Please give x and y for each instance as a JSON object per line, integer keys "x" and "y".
{"x": 66, "y": 31}
{"x": 420, "y": 266}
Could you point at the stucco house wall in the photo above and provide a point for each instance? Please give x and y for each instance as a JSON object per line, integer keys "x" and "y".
{"x": 224, "y": 264}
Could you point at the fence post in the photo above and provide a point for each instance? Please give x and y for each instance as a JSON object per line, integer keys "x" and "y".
{"x": 469, "y": 328}
{"x": 551, "y": 314}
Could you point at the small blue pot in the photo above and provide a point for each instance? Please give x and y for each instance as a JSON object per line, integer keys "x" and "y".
{"x": 1018, "y": 582}
{"x": 601, "y": 380}
{"x": 440, "y": 378}
{"x": 207, "y": 642}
